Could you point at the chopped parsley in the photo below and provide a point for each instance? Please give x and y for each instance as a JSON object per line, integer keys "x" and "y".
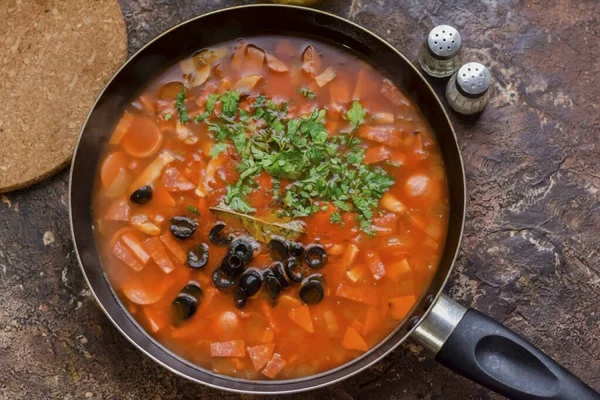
{"x": 193, "y": 210}
{"x": 180, "y": 106}
{"x": 307, "y": 93}
{"x": 318, "y": 169}
{"x": 167, "y": 116}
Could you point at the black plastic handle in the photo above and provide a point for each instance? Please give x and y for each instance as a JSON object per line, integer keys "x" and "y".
{"x": 492, "y": 355}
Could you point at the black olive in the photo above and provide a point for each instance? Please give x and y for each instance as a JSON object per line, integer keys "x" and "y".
{"x": 184, "y": 307}
{"x": 232, "y": 265}
{"x": 311, "y": 291}
{"x": 279, "y": 248}
{"x": 221, "y": 280}
{"x": 315, "y": 256}
{"x": 193, "y": 289}
{"x": 243, "y": 247}
{"x": 316, "y": 277}
{"x": 296, "y": 249}
{"x": 216, "y": 236}
{"x": 198, "y": 256}
{"x": 240, "y": 297}
{"x": 293, "y": 270}
{"x": 251, "y": 281}
{"x": 272, "y": 284}
{"x": 142, "y": 195}
{"x": 277, "y": 268}
{"x": 183, "y": 227}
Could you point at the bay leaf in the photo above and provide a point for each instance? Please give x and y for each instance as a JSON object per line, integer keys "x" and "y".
{"x": 261, "y": 228}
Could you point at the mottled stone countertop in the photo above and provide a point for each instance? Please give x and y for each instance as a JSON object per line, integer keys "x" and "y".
{"x": 531, "y": 250}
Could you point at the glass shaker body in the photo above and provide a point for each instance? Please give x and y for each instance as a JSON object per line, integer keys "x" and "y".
{"x": 468, "y": 90}
{"x": 440, "y": 54}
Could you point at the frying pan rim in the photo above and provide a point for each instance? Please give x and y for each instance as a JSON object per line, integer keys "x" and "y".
{"x": 307, "y": 379}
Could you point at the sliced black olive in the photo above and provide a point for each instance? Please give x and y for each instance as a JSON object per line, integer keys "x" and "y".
{"x": 293, "y": 270}
{"x": 243, "y": 247}
{"x": 251, "y": 281}
{"x": 193, "y": 289}
{"x": 240, "y": 297}
{"x": 198, "y": 256}
{"x": 296, "y": 249}
{"x": 278, "y": 271}
{"x": 232, "y": 265}
{"x": 279, "y": 248}
{"x": 316, "y": 277}
{"x": 183, "y": 227}
{"x": 142, "y": 195}
{"x": 315, "y": 256}
{"x": 184, "y": 307}
{"x": 216, "y": 236}
{"x": 221, "y": 280}
{"x": 311, "y": 291}
{"x": 272, "y": 284}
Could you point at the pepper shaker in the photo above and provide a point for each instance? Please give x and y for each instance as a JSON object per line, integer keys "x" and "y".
{"x": 440, "y": 54}
{"x": 468, "y": 90}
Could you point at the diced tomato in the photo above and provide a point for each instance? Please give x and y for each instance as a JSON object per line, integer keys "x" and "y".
{"x": 274, "y": 366}
{"x": 381, "y": 134}
{"x": 372, "y": 320}
{"x": 364, "y": 84}
{"x": 339, "y": 92}
{"x": 353, "y": 340}
{"x": 260, "y": 355}
{"x": 173, "y": 246}
{"x": 135, "y": 245}
{"x": 386, "y": 224}
{"x": 375, "y": 265}
{"x": 356, "y": 272}
{"x": 301, "y": 316}
{"x": 400, "y": 306}
{"x": 118, "y": 210}
{"x": 366, "y": 295}
{"x": 208, "y": 89}
{"x": 391, "y": 92}
{"x": 159, "y": 254}
{"x": 376, "y": 154}
{"x": 123, "y": 254}
{"x": 174, "y": 182}
{"x": 232, "y": 348}
{"x": 398, "y": 270}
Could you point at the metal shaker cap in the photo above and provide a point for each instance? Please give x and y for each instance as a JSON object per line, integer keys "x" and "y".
{"x": 473, "y": 79}
{"x": 444, "y": 41}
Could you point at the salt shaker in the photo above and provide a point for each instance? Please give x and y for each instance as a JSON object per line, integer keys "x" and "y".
{"x": 440, "y": 54}
{"x": 468, "y": 90}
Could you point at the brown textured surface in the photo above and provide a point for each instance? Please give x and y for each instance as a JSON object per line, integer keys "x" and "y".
{"x": 56, "y": 57}
{"x": 530, "y": 255}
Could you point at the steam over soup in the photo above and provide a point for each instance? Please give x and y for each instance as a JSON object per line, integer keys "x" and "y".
{"x": 271, "y": 208}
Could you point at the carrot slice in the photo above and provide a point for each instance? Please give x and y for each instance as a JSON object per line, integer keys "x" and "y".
{"x": 152, "y": 171}
{"x": 275, "y": 64}
{"x": 375, "y": 265}
{"x": 353, "y": 340}
{"x": 143, "y": 139}
{"x": 232, "y": 348}
{"x": 400, "y": 306}
{"x": 162, "y": 197}
{"x": 118, "y": 210}
{"x": 391, "y": 92}
{"x": 372, "y": 320}
{"x": 274, "y": 366}
{"x": 122, "y": 128}
{"x": 159, "y": 254}
{"x": 111, "y": 166}
{"x": 301, "y": 316}
{"x": 123, "y": 254}
{"x": 398, "y": 270}
{"x": 260, "y": 355}
{"x": 174, "y": 182}
{"x": 376, "y": 154}
{"x": 367, "y": 295}
{"x": 136, "y": 247}
{"x": 173, "y": 246}
{"x": 381, "y": 134}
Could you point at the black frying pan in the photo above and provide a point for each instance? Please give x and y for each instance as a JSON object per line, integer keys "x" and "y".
{"x": 464, "y": 340}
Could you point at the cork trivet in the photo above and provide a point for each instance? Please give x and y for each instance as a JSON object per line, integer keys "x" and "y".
{"x": 55, "y": 58}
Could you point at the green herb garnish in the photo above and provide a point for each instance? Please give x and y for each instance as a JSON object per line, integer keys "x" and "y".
{"x": 193, "y": 210}
{"x": 356, "y": 114}
{"x": 180, "y": 106}
{"x": 167, "y": 116}
{"x": 210, "y": 106}
{"x": 307, "y": 93}
{"x": 230, "y": 103}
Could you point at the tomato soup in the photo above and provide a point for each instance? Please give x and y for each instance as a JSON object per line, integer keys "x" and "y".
{"x": 271, "y": 207}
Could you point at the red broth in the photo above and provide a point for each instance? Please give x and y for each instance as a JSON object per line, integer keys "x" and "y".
{"x": 377, "y": 267}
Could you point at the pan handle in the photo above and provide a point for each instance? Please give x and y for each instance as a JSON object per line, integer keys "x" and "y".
{"x": 487, "y": 352}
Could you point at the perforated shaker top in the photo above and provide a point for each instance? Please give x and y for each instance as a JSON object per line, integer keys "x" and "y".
{"x": 473, "y": 78}
{"x": 444, "y": 41}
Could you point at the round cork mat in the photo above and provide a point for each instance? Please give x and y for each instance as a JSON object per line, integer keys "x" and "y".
{"x": 55, "y": 58}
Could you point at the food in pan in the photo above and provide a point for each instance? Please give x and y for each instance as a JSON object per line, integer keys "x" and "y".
{"x": 271, "y": 207}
